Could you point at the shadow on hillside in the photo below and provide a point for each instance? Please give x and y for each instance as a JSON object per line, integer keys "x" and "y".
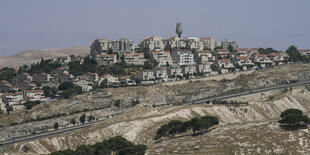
{"x": 293, "y": 128}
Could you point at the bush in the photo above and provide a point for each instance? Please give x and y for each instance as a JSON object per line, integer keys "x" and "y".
{"x": 83, "y": 118}
{"x": 176, "y": 127}
{"x": 66, "y": 85}
{"x": 116, "y": 145}
{"x": 56, "y": 125}
{"x": 73, "y": 121}
{"x": 117, "y": 103}
{"x": 30, "y": 104}
{"x": 294, "y": 118}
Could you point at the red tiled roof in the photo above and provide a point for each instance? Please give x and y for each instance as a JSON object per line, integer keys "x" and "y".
{"x": 261, "y": 55}
{"x": 224, "y": 60}
{"x": 203, "y": 51}
{"x": 242, "y": 57}
{"x": 206, "y": 38}
{"x": 93, "y": 73}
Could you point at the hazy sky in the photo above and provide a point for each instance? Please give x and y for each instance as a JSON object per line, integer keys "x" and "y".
{"x": 253, "y": 23}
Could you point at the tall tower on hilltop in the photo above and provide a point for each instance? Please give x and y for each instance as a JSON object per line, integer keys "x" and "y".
{"x": 179, "y": 29}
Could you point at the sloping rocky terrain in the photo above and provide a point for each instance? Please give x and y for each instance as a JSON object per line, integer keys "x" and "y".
{"x": 31, "y": 56}
{"x": 158, "y": 106}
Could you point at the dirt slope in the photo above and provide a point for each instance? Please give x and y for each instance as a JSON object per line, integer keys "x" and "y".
{"x": 30, "y": 56}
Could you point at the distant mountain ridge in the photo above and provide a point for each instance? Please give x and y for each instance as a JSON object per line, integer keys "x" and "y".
{"x": 31, "y": 56}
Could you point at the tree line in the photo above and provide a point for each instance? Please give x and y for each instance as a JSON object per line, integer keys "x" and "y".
{"x": 176, "y": 127}
{"x": 116, "y": 145}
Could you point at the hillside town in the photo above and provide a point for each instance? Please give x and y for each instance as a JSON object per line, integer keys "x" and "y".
{"x": 154, "y": 60}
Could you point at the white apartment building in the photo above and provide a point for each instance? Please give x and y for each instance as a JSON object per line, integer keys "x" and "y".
{"x": 203, "y": 68}
{"x": 174, "y": 43}
{"x": 134, "y": 58}
{"x": 161, "y": 73}
{"x": 146, "y": 75}
{"x": 162, "y": 57}
{"x": 193, "y": 43}
{"x": 204, "y": 56}
{"x": 183, "y": 57}
{"x": 208, "y": 43}
{"x": 106, "y": 59}
{"x": 174, "y": 71}
{"x": 153, "y": 43}
{"x": 189, "y": 69}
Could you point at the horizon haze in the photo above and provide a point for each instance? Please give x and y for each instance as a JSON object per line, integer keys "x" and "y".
{"x": 59, "y": 24}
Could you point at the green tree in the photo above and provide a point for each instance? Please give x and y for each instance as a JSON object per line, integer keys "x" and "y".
{"x": 162, "y": 131}
{"x": 294, "y": 118}
{"x": 175, "y": 127}
{"x": 65, "y": 85}
{"x": 83, "y": 118}
{"x": 72, "y": 121}
{"x": 117, "y": 103}
{"x": 293, "y": 54}
{"x": 56, "y": 125}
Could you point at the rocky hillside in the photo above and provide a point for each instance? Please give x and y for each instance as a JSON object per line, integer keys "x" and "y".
{"x": 140, "y": 123}
{"x": 31, "y": 56}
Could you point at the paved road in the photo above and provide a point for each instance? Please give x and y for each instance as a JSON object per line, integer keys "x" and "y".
{"x": 55, "y": 132}
{"x": 252, "y": 92}
{"x": 70, "y": 129}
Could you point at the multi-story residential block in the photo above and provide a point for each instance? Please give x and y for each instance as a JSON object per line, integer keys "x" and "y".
{"x": 146, "y": 75}
{"x": 193, "y": 43}
{"x": 189, "y": 69}
{"x": 174, "y": 71}
{"x": 119, "y": 46}
{"x": 228, "y": 43}
{"x": 161, "y": 73}
{"x": 262, "y": 59}
{"x": 174, "y": 43}
{"x": 204, "y": 56}
{"x": 16, "y": 100}
{"x": 153, "y": 43}
{"x": 123, "y": 45}
{"x": 134, "y": 58}
{"x": 225, "y": 63}
{"x": 34, "y": 95}
{"x": 222, "y": 53}
{"x": 204, "y": 68}
{"x": 183, "y": 57}
{"x": 208, "y": 43}
{"x": 105, "y": 59}
{"x": 162, "y": 58}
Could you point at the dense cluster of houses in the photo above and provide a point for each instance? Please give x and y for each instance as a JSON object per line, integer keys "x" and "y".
{"x": 176, "y": 58}
{"x": 171, "y": 59}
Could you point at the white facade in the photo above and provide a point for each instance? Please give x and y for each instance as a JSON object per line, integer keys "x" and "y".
{"x": 183, "y": 57}
{"x": 208, "y": 43}
{"x": 146, "y": 75}
{"x": 134, "y": 58}
{"x": 193, "y": 43}
{"x": 106, "y": 59}
{"x": 162, "y": 57}
{"x": 153, "y": 43}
